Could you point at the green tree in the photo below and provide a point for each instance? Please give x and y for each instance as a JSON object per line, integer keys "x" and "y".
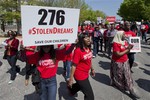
{"x": 134, "y": 10}
{"x": 10, "y": 9}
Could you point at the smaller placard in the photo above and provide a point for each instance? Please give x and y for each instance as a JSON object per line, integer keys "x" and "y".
{"x": 135, "y": 41}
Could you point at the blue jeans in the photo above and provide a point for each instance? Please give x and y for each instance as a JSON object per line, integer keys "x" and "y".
{"x": 48, "y": 89}
{"x": 12, "y": 62}
{"x": 68, "y": 66}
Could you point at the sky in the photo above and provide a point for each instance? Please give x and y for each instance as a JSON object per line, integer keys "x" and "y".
{"x": 109, "y": 7}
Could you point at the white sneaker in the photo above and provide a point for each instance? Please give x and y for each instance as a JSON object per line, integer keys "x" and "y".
{"x": 11, "y": 81}
{"x": 17, "y": 74}
{"x": 94, "y": 56}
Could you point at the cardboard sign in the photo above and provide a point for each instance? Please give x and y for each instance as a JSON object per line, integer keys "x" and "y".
{"x": 48, "y": 25}
{"x": 135, "y": 41}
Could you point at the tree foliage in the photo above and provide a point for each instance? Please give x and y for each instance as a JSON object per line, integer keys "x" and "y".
{"x": 91, "y": 15}
{"x": 135, "y": 10}
{"x": 10, "y": 9}
{"x": 86, "y": 13}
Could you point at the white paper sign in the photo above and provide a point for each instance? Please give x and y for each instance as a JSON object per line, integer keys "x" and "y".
{"x": 135, "y": 41}
{"x": 48, "y": 25}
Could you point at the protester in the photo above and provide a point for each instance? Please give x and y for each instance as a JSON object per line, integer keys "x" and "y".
{"x": 62, "y": 47}
{"x": 30, "y": 63}
{"x": 68, "y": 61}
{"x": 47, "y": 65}
{"x": 120, "y": 70}
{"x": 105, "y": 37}
{"x": 12, "y": 49}
{"x": 134, "y": 28}
{"x": 129, "y": 33}
{"x": 96, "y": 38}
{"x": 110, "y": 36}
{"x": 81, "y": 64}
{"x": 144, "y": 30}
{"x": 31, "y": 66}
{"x": 101, "y": 29}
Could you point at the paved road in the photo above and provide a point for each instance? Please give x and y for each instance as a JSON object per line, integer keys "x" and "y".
{"x": 100, "y": 83}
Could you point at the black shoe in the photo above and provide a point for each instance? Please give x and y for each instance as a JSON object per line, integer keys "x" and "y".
{"x": 37, "y": 89}
{"x": 131, "y": 71}
{"x": 17, "y": 69}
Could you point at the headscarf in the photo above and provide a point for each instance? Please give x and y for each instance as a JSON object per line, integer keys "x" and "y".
{"x": 118, "y": 38}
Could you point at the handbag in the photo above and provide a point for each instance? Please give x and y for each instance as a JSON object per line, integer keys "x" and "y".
{"x": 5, "y": 54}
{"x": 21, "y": 55}
{"x": 36, "y": 76}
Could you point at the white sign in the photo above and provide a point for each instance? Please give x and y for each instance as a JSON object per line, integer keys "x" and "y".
{"x": 99, "y": 20}
{"x": 135, "y": 41}
{"x": 48, "y": 25}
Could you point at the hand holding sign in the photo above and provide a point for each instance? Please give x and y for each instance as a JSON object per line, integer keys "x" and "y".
{"x": 130, "y": 46}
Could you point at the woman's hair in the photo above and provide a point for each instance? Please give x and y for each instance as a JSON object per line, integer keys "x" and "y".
{"x": 81, "y": 43}
{"x": 51, "y": 52}
{"x": 12, "y": 33}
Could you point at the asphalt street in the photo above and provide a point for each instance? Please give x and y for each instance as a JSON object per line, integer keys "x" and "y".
{"x": 100, "y": 83}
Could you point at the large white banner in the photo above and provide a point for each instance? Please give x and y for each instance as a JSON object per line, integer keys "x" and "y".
{"x": 48, "y": 25}
{"x": 135, "y": 41}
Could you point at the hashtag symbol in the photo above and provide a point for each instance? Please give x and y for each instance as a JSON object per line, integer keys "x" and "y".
{"x": 30, "y": 31}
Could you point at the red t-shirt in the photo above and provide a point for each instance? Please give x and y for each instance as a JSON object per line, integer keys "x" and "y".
{"x": 83, "y": 61}
{"x": 46, "y": 66}
{"x": 117, "y": 27}
{"x": 144, "y": 28}
{"x": 30, "y": 55}
{"x": 130, "y": 34}
{"x": 79, "y": 29}
{"x": 61, "y": 54}
{"x": 68, "y": 56}
{"x": 120, "y": 48}
{"x": 105, "y": 35}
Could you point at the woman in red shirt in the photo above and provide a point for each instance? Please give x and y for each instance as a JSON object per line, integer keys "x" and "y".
{"x": 68, "y": 60}
{"x": 81, "y": 64}
{"x": 12, "y": 49}
{"x": 30, "y": 67}
{"x": 120, "y": 70}
{"x": 47, "y": 64}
